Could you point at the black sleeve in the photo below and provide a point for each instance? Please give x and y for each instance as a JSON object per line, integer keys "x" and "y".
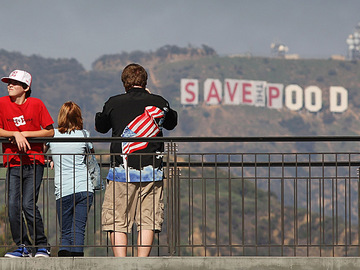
{"x": 102, "y": 120}
{"x": 170, "y": 120}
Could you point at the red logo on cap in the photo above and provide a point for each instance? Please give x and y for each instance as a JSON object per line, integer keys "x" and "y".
{"x": 13, "y": 74}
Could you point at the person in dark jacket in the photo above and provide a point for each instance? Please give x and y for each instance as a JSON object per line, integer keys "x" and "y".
{"x": 134, "y": 192}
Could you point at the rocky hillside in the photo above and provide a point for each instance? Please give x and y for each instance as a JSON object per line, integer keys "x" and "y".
{"x": 165, "y": 54}
{"x": 58, "y": 80}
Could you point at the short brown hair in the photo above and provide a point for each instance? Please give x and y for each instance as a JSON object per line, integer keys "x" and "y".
{"x": 134, "y": 75}
{"x": 69, "y": 118}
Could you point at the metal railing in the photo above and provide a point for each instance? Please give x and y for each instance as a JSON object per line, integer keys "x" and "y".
{"x": 233, "y": 204}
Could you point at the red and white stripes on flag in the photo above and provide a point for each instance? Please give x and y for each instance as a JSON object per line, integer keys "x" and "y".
{"x": 142, "y": 126}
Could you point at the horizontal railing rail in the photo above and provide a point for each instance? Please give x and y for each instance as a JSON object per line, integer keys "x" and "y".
{"x": 201, "y": 139}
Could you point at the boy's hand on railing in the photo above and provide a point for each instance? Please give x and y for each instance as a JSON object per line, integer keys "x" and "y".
{"x": 21, "y": 141}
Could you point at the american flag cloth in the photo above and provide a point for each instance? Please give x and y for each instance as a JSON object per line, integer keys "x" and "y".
{"x": 143, "y": 125}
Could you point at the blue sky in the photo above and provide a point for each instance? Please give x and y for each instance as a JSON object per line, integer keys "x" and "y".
{"x": 88, "y": 29}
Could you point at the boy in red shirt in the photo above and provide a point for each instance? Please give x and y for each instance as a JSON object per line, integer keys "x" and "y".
{"x": 22, "y": 116}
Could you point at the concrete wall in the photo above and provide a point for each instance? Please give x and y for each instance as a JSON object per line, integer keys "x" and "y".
{"x": 182, "y": 263}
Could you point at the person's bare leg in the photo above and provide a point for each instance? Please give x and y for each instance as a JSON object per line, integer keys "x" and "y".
{"x": 118, "y": 239}
{"x": 145, "y": 240}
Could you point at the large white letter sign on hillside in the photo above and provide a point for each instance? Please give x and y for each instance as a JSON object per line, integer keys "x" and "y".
{"x": 313, "y": 98}
{"x": 338, "y": 99}
{"x": 232, "y": 89}
{"x": 189, "y": 91}
{"x": 293, "y": 97}
{"x": 212, "y": 91}
{"x": 247, "y": 95}
{"x": 274, "y": 93}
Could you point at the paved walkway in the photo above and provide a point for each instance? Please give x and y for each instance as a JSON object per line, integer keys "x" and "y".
{"x": 182, "y": 263}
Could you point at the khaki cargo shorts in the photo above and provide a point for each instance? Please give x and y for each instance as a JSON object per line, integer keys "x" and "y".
{"x": 126, "y": 203}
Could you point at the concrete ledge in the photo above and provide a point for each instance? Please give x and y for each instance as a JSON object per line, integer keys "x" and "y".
{"x": 183, "y": 263}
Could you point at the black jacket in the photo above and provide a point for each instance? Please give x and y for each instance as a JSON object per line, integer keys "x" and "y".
{"x": 120, "y": 110}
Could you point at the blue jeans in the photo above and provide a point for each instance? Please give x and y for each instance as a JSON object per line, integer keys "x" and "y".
{"x": 23, "y": 186}
{"x": 72, "y": 213}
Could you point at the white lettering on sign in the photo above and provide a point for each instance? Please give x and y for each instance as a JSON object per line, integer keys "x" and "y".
{"x": 189, "y": 91}
{"x": 212, "y": 91}
{"x": 293, "y": 97}
{"x": 338, "y": 99}
{"x": 274, "y": 93}
{"x": 313, "y": 99}
{"x": 232, "y": 92}
{"x": 262, "y": 93}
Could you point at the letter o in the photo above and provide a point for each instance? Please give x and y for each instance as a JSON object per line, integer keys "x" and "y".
{"x": 293, "y": 97}
{"x": 313, "y": 98}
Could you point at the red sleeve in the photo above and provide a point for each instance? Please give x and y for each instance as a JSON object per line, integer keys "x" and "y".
{"x": 45, "y": 119}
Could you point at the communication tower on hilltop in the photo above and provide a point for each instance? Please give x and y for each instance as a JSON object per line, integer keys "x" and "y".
{"x": 278, "y": 49}
{"x": 353, "y": 42}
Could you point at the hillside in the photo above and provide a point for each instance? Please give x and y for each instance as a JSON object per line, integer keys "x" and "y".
{"x": 226, "y": 120}
{"x": 58, "y": 80}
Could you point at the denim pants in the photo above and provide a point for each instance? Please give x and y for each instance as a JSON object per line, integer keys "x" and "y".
{"x": 72, "y": 213}
{"x": 23, "y": 190}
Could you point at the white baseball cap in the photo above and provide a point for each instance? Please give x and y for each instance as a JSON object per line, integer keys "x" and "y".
{"x": 18, "y": 75}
